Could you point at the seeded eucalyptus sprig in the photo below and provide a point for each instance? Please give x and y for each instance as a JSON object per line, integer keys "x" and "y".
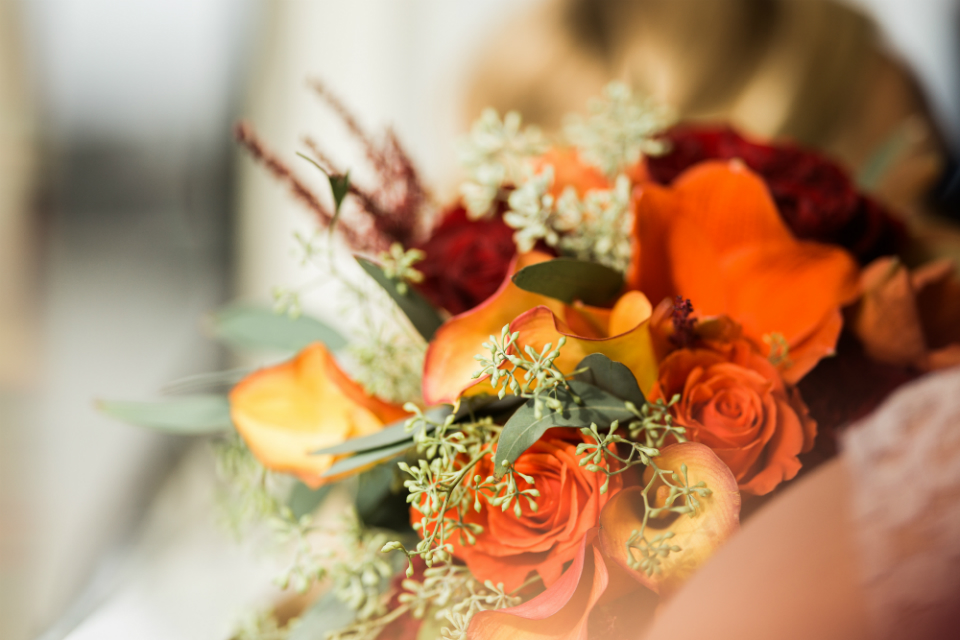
{"x": 540, "y": 377}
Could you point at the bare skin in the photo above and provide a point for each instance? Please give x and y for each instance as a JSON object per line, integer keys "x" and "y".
{"x": 790, "y": 573}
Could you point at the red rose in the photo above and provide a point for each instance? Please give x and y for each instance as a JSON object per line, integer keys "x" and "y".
{"x": 466, "y": 260}
{"x": 814, "y": 195}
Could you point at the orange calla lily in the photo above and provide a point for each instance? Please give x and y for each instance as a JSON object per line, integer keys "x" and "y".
{"x": 715, "y": 237}
{"x": 285, "y": 412}
{"x": 449, "y": 363}
{"x": 698, "y": 536}
{"x": 628, "y": 340}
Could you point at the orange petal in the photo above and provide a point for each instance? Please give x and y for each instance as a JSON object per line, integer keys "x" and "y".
{"x": 587, "y": 321}
{"x": 449, "y": 363}
{"x": 716, "y": 237}
{"x": 307, "y": 403}
{"x": 632, "y": 346}
{"x": 561, "y": 612}
{"x": 795, "y": 289}
{"x": 698, "y": 536}
{"x": 887, "y": 321}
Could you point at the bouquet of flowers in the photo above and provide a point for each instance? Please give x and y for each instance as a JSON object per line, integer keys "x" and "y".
{"x": 567, "y": 387}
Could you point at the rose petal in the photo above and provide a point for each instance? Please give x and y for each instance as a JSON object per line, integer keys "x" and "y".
{"x": 449, "y": 363}
{"x": 307, "y": 403}
{"x": 698, "y": 536}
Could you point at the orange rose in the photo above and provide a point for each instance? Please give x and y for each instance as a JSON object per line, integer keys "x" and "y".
{"x": 734, "y": 401}
{"x": 543, "y": 540}
{"x": 599, "y": 596}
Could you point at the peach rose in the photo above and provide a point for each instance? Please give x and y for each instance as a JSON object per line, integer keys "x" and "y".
{"x": 734, "y": 401}
{"x": 543, "y": 540}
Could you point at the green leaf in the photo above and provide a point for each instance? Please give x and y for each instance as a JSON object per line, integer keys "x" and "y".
{"x": 197, "y": 414}
{"x": 217, "y": 381}
{"x": 391, "y": 434}
{"x": 250, "y": 327}
{"x": 340, "y": 187}
{"x": 303, "y": 500}
{"x": 327, "y": 614}
{"x": 378, "y": 501}
{"x": 523, "y": 428}
{"x": 568, "y": 280}
{"x": 610, "y": 376}
{"x": 369, "y": 456}
{"x": 421, "y": 313}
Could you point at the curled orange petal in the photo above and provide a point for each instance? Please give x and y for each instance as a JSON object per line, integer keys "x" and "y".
{"x": 285, "y": 412}
{"x": 449, "y": 364}
{"x": 716, "y": 238}
{"x": 698, "y": 536}
{"x": 630, "y": 343}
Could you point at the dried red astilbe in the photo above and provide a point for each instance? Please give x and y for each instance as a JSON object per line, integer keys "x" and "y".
{"x": 684, "y": 323}
{"x": 814, "y": 195}
{"x": 391, "y": 211}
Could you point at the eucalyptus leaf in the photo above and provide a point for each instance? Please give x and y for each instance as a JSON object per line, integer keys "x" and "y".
{"x": 421, "y": 313}
{"x": 327, "y": 614}
{"x": 392, "y": 434}
{"x": 568, "y": 280}
{"x": 524, "y": 428}
{"x": 303, "y": 500}
{"x": 188, "y": 415}
{"x": 216, "y": 381}
{"x": 249, "y": 327}
{"x": 610, "y": 376}
{"x": 367, "y": 457}
{"x": 380, "y": 502}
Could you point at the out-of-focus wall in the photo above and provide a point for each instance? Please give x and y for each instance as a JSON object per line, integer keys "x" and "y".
{"x": 133, "y": 107}
{"x": 403, "y": 63}
{"x": 18, "y": 313}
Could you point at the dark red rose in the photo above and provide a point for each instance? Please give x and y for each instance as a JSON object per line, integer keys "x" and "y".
{"x": 466, "y": 260}
{"x": 814, "y": 195}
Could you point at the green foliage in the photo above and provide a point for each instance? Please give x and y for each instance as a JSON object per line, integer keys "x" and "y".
{"x": 303, "y": 500}
{"x": 585, "y": 405}
{"x": 325, "y": 616}
{"x": 364, "y": 458}
{"x": 610, "y": 376}
{"x": 397, "y": 265}
{"x": 392, "y": 434}
{"x": 213, "y": 382}
{"x": 415, "y": 307}
{"x": 249, "y": 327}
{"x": 540, "y": 378}
{"x": 186, "y": 415}
{"x": 568, "y": 280}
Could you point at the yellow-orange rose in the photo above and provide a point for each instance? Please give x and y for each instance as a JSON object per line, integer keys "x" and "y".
{"x": 734, "y": 401}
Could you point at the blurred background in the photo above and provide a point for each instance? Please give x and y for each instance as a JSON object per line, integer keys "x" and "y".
{"x": 126, "y": 214}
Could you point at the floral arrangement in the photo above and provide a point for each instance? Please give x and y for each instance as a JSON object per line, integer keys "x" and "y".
{"x": 617, "y": 343}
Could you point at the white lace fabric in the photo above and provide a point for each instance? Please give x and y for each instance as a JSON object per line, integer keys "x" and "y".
{"x": 905, "y": 466}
